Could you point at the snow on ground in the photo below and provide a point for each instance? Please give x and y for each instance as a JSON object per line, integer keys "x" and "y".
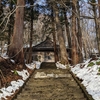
{"x": 15, "y": 85}
{"x": 89, "y": 72}
{"x": 35, "y": 64}
{"x": 59, "y": 65}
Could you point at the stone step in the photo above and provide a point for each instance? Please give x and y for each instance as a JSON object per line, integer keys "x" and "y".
{"x": 52, "y": 82}
{"x": 72, "y": 89}
{"x": 61, "y": 86}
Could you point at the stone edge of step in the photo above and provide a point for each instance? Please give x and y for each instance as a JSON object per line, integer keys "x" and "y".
{"x": 13, "y": 97}
{"x": 89, "y": 97}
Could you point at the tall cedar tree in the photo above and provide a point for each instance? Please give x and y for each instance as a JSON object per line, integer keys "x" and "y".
{"x": 98, "y": 33}
{"x": 74, "y": 50}
{"x": 29, "y": 58}
{"x": 97, "y": 23}
{"x": 11, "y": 22}
{"x": 54, "y": 37}
{"x": 0, "y": 4}
{"x": 1, "y": 9}
{"x": 67, "y": 31}
{"x": 16, "y": 48}
{"x": 79, "y": 34}
{"x": 63, "y": 53}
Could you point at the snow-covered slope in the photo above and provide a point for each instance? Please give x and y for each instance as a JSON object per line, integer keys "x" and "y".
{"x": 89, "y": 72}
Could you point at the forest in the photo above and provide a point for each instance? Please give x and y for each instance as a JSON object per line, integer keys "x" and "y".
{"x": 73, "y": 26}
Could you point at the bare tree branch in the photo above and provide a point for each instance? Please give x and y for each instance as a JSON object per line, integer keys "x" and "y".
{"x": 87, "y": 17}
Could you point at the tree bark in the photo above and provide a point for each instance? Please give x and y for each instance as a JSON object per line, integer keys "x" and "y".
{"x": 0, "y": 3}
{"x": 11, "y": 22}
{"x": 79, "y": 35}
{"x": 1, "y": 17}
{"x": 97, "y": 23}
{"x": 67, "y": 32}
{"x": 10, "y": 25}
{"x": 98, "y": 30}
{"x": 0, "y": 6}
{"x": 16, "y": 47}
{"x": 99, "y": 6}
{"x": 54, "y": 38}
{"x": 29, "y": 60}
{"x": 74, "y": 50}
{"x": 63, "y": 52}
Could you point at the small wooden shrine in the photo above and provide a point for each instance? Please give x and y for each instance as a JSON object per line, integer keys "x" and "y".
{"x": 44, "y": 51}
{"x": 45, "y": 46}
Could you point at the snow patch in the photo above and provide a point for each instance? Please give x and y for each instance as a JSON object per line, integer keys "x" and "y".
{"x": 59, "y": 65}
{"x": 90, "y": 77}
{"x": 24, "y": 74}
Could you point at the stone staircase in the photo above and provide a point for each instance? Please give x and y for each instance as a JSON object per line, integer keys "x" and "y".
{"x": 51, "y": 84}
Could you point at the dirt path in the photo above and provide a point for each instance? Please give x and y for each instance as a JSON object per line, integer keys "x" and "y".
{"x": 51, "y": 84}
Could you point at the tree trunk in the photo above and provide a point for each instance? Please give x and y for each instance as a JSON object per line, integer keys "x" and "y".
{"x": 10, "y": 26}
{"x": 16, "y": 47}
{"x": 98, "y": 30}
{"x": 63, "y": 52}
{"x": 54, "y": 38}
{"x": 67, "y": 32}
{"x": 1, "y": 16}
{"x": 97, "y": 23}
{"x": 0, "y": 3}
{"x": 29, "y": 60}
{"x": 79, "y": 35}
{"x": 11, "y": 23}
{"x": 74, "y": 50}
{"x": 0, "y": 11}
{"x": 99, "y": 7}
{"x": 0, "y": 7}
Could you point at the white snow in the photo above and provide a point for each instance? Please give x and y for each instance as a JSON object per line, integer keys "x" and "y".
{"x": 40, "y": 75}
{"x": 31, "y": 66}
{"x": 12, "y": 61}
{"x": 11, "y": 89}
{"x": 24, "y": 74}
{"x": 15, "y": 85}
{"x": 89, "y": 74}
{"x": 59, "y": 65}
{"x": 35, "y": 64}
{"x": 90, "y": 77}
{"x": 45, "y": 75}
